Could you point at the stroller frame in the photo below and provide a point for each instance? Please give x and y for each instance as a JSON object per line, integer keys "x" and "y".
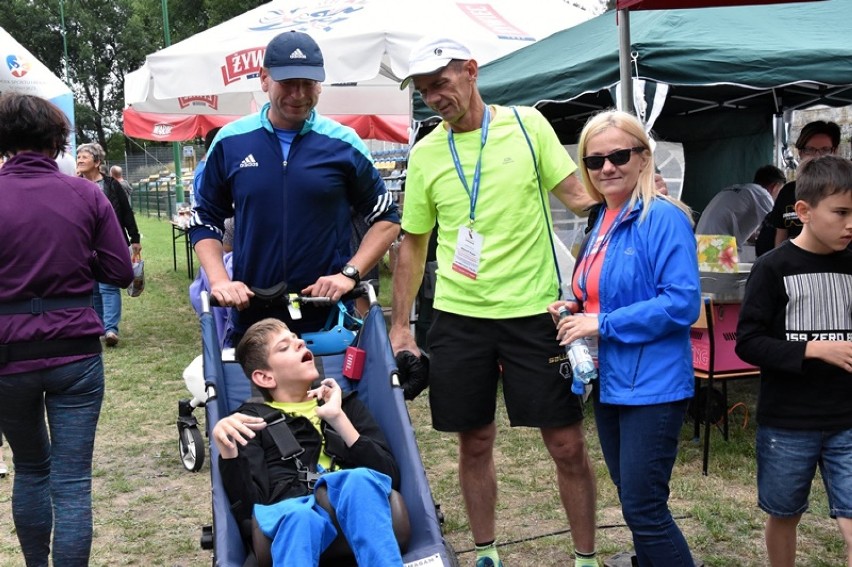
{"x": 379, "y": 389}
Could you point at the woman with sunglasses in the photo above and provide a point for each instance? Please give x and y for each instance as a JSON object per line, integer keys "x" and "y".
{"x": 636, "y": 283}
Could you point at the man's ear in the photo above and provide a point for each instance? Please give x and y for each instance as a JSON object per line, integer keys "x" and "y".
{"x": 263, "y": 379}
{"x": 803, "y": 211}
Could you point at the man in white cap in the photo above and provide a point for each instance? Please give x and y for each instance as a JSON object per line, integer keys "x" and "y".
{"x": 484, "y": 175}
{"x": 289, "y": 177}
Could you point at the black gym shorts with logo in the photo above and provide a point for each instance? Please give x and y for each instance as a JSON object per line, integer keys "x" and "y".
{"x": 467, "y": 355}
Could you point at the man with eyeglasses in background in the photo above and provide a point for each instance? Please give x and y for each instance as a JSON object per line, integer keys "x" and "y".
{"x": 816, "y": 139}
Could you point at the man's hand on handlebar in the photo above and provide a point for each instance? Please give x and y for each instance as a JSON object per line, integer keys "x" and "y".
{"x": 231, "y": 294}
{"x": 334, "y": 287}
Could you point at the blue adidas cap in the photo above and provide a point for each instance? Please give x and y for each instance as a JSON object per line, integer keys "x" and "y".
{"x": 294, "y": 55}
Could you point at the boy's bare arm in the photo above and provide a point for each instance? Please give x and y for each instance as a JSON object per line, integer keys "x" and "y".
{"x": 837, "y": 353}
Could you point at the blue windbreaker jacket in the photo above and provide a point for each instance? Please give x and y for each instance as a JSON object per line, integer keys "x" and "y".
{"x": 650, "y": 295}
{"x": 293, "y": 219}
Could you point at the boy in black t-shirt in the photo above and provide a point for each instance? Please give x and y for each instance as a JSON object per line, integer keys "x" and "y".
{"x": 796, "y": 325}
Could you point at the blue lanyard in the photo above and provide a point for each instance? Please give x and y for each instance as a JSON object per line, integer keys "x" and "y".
{"x": 593, "y": 237}
{"x": 473, "y": 192}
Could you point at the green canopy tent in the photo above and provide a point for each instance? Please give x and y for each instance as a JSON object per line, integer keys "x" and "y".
{"x": 728, "y": 71}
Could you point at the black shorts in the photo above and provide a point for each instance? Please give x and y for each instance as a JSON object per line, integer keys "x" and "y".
{"x": 467, "y": 356}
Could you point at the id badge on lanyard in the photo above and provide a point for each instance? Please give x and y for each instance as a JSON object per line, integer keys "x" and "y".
{"x": 469, "y": 242}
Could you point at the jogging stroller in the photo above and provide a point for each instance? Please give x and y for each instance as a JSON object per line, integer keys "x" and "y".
{"x": 227, "y": 387}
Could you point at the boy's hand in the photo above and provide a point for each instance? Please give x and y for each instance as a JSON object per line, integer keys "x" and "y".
{"x": 837, "y": 353}
{"x": 329, "y": 396}
{"x": 233, "y": 429}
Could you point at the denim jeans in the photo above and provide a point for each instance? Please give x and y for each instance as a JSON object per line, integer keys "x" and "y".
{"x": 639, "y": 445}
{"x": 107, "y": 299}
{"x": 787, "y": 460}
{"x": 53, "y": 473}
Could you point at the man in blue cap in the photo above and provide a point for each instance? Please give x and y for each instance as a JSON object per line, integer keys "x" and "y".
{"x": 289, "y": 177}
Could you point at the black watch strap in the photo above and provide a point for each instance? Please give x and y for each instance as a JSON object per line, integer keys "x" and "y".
{"x": 351, "y": 272}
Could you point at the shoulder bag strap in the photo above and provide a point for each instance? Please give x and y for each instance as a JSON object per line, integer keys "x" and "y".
{"x": 548, "y": 225}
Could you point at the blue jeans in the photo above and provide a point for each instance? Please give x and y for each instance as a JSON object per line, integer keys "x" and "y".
{"x": 53, "y": 474}
{"x": 640, "y": 445}
{"x": 107, "y": 299}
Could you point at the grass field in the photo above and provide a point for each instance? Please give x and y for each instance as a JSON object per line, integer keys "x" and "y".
{"x": 149, "y": 510}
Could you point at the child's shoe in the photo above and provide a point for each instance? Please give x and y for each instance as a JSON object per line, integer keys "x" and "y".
{"x": 3, "y": 470}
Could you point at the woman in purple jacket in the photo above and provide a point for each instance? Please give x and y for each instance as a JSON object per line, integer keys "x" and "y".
{"x": 59, "y": 234}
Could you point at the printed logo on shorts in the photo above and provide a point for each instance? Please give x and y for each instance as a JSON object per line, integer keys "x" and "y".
{"x": 249, "y": 161}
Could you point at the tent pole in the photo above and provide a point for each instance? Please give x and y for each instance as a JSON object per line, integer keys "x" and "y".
{"x": 626, "y": 82}
{"x": 179, "y": 197}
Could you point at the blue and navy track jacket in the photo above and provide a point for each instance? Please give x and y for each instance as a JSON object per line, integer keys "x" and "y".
{"x": 293, "y": 218}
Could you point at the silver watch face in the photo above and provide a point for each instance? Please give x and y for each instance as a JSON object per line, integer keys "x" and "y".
{"x": 350, "y": 271}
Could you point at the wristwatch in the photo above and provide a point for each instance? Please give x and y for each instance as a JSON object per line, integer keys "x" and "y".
{"x": 351, "y": 272}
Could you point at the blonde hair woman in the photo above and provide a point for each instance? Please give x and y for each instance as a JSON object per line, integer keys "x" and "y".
{"x": 636, "y": 282}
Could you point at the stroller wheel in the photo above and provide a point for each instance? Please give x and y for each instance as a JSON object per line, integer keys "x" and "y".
{"x": 452, "y": 556}
{"x": 191, "y": 448}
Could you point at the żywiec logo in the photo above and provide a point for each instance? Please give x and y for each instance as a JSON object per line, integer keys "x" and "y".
{"x": 17, "y": 66}
{"x": 243, "y": 64}
{"x": 161, "y": 129}
{"x": 210, "y": 101}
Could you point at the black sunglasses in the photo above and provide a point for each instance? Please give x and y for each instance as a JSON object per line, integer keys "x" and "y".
{"x": 618, "y": 157}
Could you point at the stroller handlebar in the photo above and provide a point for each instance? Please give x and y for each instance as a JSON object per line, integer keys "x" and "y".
{"x": 277, "y": 296}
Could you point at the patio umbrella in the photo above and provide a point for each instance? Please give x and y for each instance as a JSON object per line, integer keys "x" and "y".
{"x": 365, "y": 45}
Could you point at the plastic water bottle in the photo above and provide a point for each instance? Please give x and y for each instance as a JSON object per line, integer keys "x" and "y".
{"x": 582, "y": 364}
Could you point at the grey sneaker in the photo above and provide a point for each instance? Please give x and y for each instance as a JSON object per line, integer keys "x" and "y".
{"x": 111, "y": 339}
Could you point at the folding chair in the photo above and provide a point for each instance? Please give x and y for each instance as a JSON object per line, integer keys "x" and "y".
{"x": 713, "y": 338}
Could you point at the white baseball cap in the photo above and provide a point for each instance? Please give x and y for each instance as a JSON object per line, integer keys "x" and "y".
{"x": 433, "y": 54}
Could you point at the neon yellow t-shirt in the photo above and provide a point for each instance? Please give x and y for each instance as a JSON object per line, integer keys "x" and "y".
{"x": 517, "y": 275}
{"x": 308, "y": 410}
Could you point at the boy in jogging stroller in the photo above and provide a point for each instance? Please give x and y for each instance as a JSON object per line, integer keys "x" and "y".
{"x": 372, "y": 381}
{"x": 275, "y": 457}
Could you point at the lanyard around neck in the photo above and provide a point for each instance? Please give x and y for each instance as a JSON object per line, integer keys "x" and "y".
{"x": 473, "y": 190}
{"x": 590, "y": 260}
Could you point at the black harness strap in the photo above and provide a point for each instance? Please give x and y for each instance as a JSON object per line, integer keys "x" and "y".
{"x": 16, "y": 352}
{"x": 38, "y": 305}
{"x": 290, "y": 448}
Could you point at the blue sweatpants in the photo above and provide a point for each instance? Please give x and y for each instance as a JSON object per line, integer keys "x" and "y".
{"x": 301, "y": 530}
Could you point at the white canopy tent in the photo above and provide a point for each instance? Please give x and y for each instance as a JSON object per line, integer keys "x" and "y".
{"x": 21, "y": 72}
{"x": 365, "y": 44}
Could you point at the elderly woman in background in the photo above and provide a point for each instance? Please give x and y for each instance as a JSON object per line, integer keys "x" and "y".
{"x": 90, "y": 159}
{"x": 637, "y": 286}
{"x": 59, "y": 234}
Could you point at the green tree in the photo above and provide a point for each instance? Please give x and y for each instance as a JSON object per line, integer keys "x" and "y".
{"x": 105, "y": 39}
